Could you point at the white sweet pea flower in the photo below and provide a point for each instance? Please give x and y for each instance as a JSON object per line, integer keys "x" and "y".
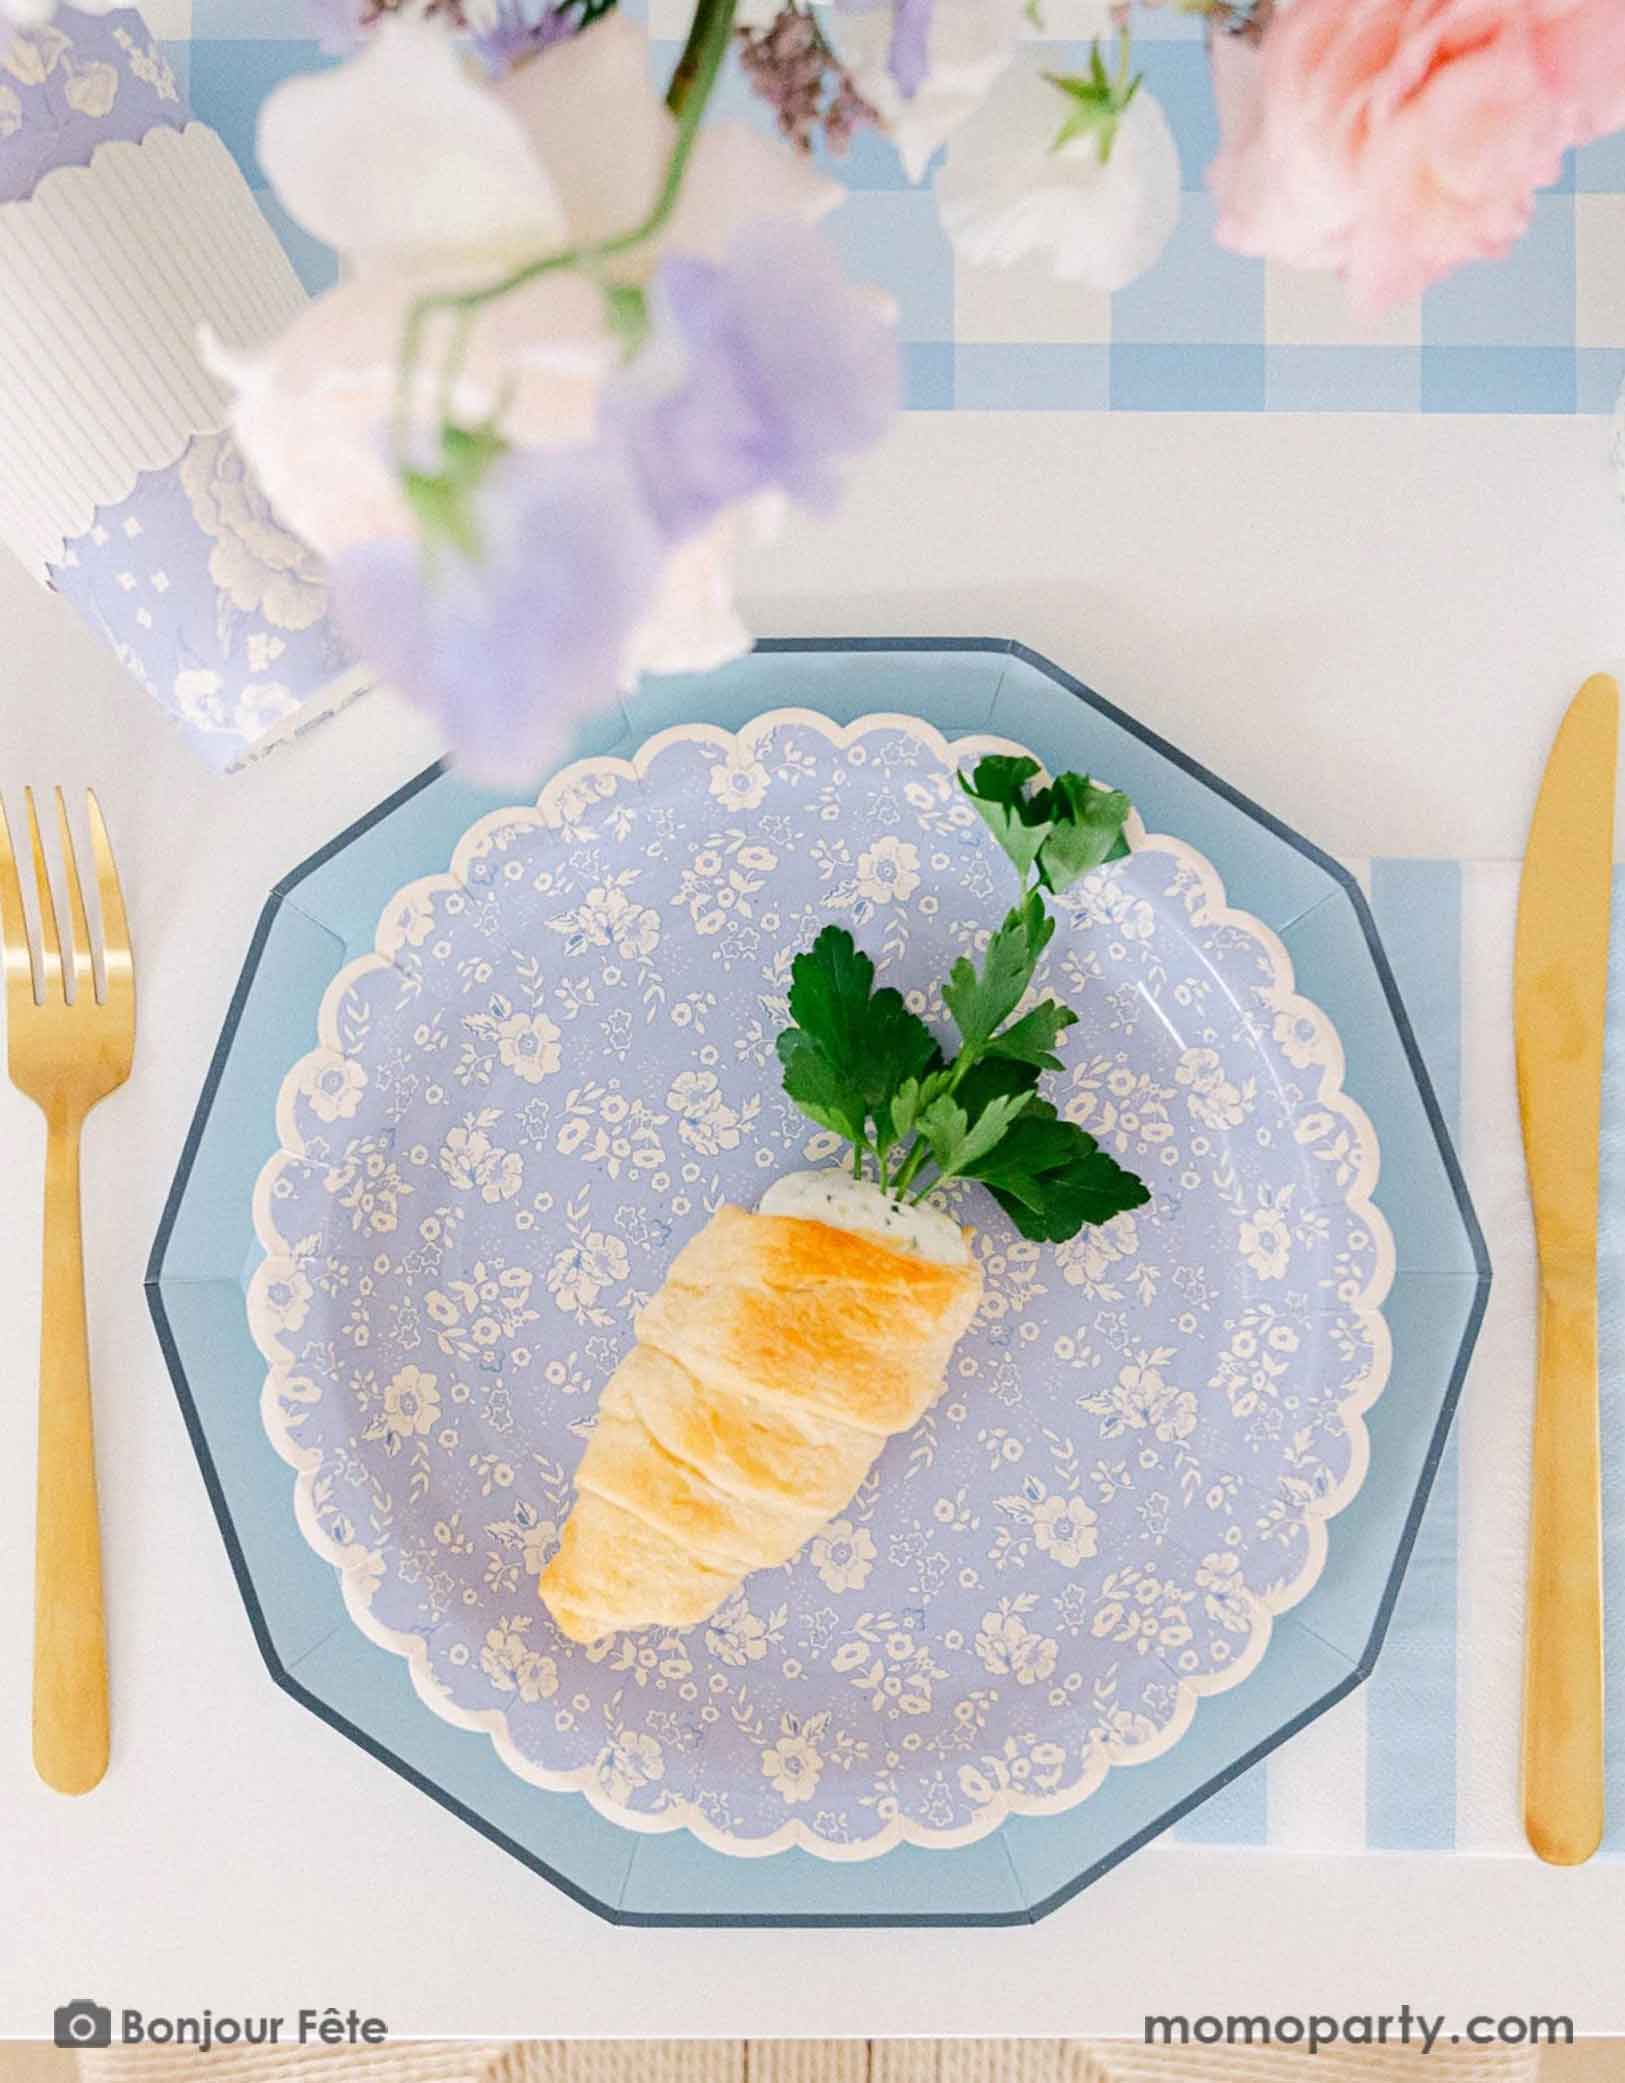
{"x": 1009, "y": 191}
{"x": 693, "y": 626}
{"x": 971, "y": 43}
{"x": 29, "y": 14}
{"x": 429, "y": 180}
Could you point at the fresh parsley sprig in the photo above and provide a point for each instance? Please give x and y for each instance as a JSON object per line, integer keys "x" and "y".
{"x": 859, "y": 1062}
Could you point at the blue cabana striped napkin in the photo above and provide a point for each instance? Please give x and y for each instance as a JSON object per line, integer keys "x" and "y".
{"x": 1424, "y": 1757}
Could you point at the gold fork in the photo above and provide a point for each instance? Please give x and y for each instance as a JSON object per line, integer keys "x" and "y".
{"x": 66, "y": 1054}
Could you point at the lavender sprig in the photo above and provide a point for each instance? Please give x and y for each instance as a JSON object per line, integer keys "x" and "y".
{"x": 796, "y": 71}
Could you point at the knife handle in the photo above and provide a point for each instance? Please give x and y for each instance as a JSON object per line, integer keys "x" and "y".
{"x": 1562, "y": 1695}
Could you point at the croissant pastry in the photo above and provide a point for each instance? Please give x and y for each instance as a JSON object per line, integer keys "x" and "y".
{"x": 781, "y": 1354}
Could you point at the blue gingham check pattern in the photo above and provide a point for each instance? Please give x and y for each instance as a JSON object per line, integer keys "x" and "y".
{"x": 1425, "y": 1755}
{"x": 1543, "y": 331}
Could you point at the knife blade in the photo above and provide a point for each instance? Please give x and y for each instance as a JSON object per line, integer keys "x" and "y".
{"x": 1560, "y": 1000}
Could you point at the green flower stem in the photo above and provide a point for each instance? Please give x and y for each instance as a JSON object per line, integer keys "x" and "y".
{"x": 687, "y": 97}
{"x": 703, "y": 53}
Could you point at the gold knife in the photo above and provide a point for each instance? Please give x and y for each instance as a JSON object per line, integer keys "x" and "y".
{"x": 1560, "y": 997}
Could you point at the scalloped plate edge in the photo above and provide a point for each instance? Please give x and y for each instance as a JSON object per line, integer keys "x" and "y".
{"x": 354, "y": 1581}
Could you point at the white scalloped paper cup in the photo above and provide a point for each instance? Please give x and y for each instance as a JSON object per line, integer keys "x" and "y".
{"x": 125, "y": 228}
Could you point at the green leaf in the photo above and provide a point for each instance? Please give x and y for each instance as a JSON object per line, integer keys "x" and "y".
{"x": 469, "y": 452}
{"x": 980, "y": 1001}
{"x": 1032, "y": 1038}
{"x": 897, "y": 1044}
{"x": 852, "y": 1047}
{"x": 905, "y": 1109}
{"x": 443, "y": 500}
{"x": 1086, "y": 829}
{"x": 1097, "y": 98}
{"x": 1067, "y": 828}
{"x": 1000, "y": 777}
{"x": 992, "y": 1078}
{"x": 910, "y": 1100}
{"x": 830, "y": 983}
{"x": 443, "y": 511}
{"x": 1052, "y": 1179}
{"x": 998, "y": 788}
{"x": 627, "y": 308}
{"x": 957, "y": 1142}
{"x": 818, "y": 1088}
{"x": 897, "y": 1114}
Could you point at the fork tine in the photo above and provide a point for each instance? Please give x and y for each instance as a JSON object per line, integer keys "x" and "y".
{"x": 116, "y": 963}
{"x": 84, "y": 979}
{"x": 50, "y": 946}
{"x": 19, "y": 959}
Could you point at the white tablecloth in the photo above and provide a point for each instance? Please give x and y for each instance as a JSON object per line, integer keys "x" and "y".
{"x": 1372, "y": 626}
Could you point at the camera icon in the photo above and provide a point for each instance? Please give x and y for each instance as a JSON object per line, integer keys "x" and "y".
{"x": 83, "y": 2024}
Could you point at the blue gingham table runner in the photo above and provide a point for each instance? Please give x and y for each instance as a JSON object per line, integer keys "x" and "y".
{"x": 1424, "y": 1756}
{"x": 1205, "y": 330}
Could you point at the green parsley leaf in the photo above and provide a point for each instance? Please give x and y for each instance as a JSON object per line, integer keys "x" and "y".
{"x": 980, "y": 1001}
{"x": 957, "y": 1142}
{"x": 905, "y": 1109}
{"x": 830, "y": 986}
{"x": 897, "y": 1045}
{"x": 1086, "y": 829}
{"x": 887, "y": 1131}
{"x": 820, "y": 1091}
{"x": 1065, "y": 829}
{"x": 858, "y": 1056}
{"x": 910, "y": 1100}
{"x": 1052, "y": 1178}
{"x": 1032, "y": 1038}
{"x": 998, "y": 788}
{"x": 852, "y": 1046}
{"x": 991, "y": 1078}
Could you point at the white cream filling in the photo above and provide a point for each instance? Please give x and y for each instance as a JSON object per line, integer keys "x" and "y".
{"x": 846, "y": 1203}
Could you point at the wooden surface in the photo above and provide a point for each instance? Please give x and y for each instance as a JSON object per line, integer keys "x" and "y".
{"x": 771, "y": 2061}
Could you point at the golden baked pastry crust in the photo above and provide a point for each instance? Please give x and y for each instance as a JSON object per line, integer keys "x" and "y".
{"x": 770, "y": 1369}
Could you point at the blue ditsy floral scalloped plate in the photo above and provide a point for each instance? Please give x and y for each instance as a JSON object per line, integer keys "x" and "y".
{"x": 559, "y": 1059}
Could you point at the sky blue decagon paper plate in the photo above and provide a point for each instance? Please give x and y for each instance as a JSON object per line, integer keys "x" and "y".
{"x": 325, "y": 912}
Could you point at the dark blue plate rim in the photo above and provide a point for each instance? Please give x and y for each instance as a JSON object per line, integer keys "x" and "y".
{"x": 723, "y": 1920}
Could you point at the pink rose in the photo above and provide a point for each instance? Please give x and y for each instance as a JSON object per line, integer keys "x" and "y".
{"x": 1394, "y": 139}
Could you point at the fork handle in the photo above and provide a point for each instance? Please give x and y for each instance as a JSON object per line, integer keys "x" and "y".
{"x": 70, "y": 1634}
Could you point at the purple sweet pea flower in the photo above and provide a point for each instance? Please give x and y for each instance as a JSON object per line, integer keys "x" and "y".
{"x": 765, "y": 372}
{"x": 908, "y": 59}
{"x": 510, "y": 649}
{"x": 787, "y": 368}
